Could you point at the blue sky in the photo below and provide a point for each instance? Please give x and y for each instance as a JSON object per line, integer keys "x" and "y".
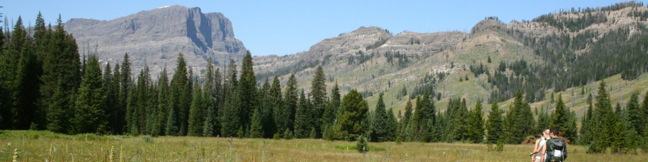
{"x": 285, "y": 27}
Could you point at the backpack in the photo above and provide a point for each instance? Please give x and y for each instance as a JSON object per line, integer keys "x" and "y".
{"x": 556, "y": 149}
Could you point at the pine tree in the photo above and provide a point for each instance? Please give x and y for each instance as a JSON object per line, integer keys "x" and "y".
{"x": 163, "y": 103}
{"x": 635, "y": 115}
{"x": 624, "y": 138}
{"x": 476, "y": 124}
{"x": 256, "y": 127}
{"x": 518, "y": 123}
{"x": 291, "y": 97}
{"x": 604, "y": 120}
{"x": 172, "y": 121}
{"x": 131, "y": 105}
{"x": 4, "y": 85}
{"x": 585, "y": 137}
{"x": 196, "y": 112}
{"x": 267, "y": 108}
{"x": 331, "y": 108}
{"x": 131, "y": 117}
{"x": 41, "y": 41}
{"x": 247, "y": 91}
{"x": 543, "y": 121}
{"x": 188, "y": 91}
{"x": 631, "y": 139}
{"x": 180, "y": 99}
{"x": 383, "y": 128}
{"x": 212, "y": 92}
{"x": 230, "y": 118}
{"x": 561, "y": 119}
{"x": 89, "y": 115}
{"x": 405, "y": 122}
{"x": 60, "y": 78}
{"x": 302, "y": 117}
{"x": 572, "y": 130}
{"x": 424, "y": 119}
{"x": 150, "y": 112}
{"x": 319, "y": 99}
{"x": 144, "y": 83}
{"x": 351, "y": 119}
{"x": 57, "y": 116}
{"x": 26, "y": 81}
{"x": 392, "y": 124}
{"x": 280, "y": 113}
{"x": 10, "y": 66}
{"x": 219, "y": 99}
{"x": 458, "y": 120}
{"x": 494, "y": 125}
{"x": 125, "y": 87}
{"x": 111, "y": 98}
{"x": 138, "y": 103}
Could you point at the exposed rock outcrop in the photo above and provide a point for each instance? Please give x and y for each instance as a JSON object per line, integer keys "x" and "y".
{"x": 155, "y": 37}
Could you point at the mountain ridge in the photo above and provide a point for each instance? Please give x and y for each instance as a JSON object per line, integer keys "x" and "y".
{"x": 404, "y": 60}
{"x": 155, "y": 37}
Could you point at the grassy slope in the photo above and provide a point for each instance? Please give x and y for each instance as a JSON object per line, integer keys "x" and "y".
{"x": 472, "y": 51}
{"x": 620, "y": 91}
{"x": 40, "y": 146}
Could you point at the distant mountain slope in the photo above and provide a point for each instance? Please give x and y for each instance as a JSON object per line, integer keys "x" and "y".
{"x": 155, "y": 37}
{"x": 491, "y": 63}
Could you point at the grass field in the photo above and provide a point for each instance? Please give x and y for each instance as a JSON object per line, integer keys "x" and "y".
{"x": 46, "y": 146}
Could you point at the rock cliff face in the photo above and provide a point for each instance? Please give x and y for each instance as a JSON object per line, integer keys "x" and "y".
{"x": 155, "y": 37}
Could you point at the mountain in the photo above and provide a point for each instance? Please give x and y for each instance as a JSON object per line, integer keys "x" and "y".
{"x": 549, "y": 54}
{"x": 156, "y": 37}
{"x": 554, "y": 53}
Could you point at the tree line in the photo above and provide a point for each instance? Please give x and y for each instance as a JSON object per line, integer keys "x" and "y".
{"x": 45, "y": 85}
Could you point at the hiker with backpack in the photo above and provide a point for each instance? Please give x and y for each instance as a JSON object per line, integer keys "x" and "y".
{"x": 556, "y": 148}
{"x": 538, "y": 155}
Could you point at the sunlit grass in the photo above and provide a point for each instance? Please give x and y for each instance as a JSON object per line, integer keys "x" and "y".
{"x": 42, "y": 146}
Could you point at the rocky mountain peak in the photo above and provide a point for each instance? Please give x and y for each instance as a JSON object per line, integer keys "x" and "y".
{"x": 363, "y": 38}
{"x": 155, "y": 37}
{"x": 489, "y": 23}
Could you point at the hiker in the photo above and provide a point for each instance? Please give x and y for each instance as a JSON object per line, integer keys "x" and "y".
{"x": 555, "y": 148}
{"x": 538, "y": 155}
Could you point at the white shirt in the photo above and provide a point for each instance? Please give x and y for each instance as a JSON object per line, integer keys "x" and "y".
{"x": 542, "y": 142}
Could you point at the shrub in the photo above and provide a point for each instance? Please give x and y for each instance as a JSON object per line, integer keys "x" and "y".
{"x": 362, "y": 146}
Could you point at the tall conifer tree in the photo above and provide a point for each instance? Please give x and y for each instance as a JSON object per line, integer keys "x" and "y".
{"x": 180, "y": 99}
{"x": 291, "y": 97}
{"x": 383, "y": 127}
{"x": 603, "y": 122}
{"x": 196, "y": 112}
{"x": 495, "y": 125}
{"x": 352, "y": 119}
{"x": 247, "y": 91}
{"x": 230, "y": 118}
{"x": 212, "y": 91}
{"x": 318, "y": 98}
{"x": 302, "y": 117}
{"x": 476, "y": 124}
{"x": 162, "y": 103}
{"x": 89, "y": 116}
